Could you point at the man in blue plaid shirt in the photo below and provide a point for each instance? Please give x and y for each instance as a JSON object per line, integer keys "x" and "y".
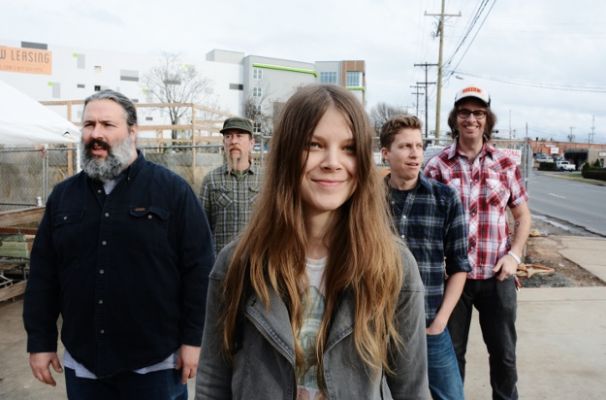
{"x": 429, "y": 217}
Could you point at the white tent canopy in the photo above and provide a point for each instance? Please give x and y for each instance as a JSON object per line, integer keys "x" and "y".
{"x": 24, "y": 121}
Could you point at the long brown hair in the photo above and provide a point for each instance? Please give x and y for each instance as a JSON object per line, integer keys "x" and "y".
{"x": 364, "y": 259}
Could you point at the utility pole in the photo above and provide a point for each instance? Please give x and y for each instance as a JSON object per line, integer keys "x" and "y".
{"x": 509, "y": 124}
{"x": 571, "y": 136}
{"x": 417, "y": 93}
{"x": 590, "y": 136}
{"x": 426, "y": 83}
{"x": 440, "y": 33}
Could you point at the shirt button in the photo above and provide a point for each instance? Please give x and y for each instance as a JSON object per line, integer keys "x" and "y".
{"x": 101, "y": 271}
{"x": 403, "y": 216}
{"x": 99, "y": 191}
{"x": 102, "y": 331}
{"x": 106, "y": 215}
{"x": 104, "y": 243}
{"x": 403, "y": 236}
{"x": 100, "y": 301}
{"x": 65, "y": 218}
{"x": 149, "y": 216}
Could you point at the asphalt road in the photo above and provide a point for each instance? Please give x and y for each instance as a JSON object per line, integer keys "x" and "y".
{"x": 577, "y": 203}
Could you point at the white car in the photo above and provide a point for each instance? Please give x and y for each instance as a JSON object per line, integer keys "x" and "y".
{"x": 564, "y": 165}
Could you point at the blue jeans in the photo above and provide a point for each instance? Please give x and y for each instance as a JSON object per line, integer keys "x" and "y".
{"x": 159, "y": 385}
{"x": 445, "y": 381}
{"x": 496, "y": 302}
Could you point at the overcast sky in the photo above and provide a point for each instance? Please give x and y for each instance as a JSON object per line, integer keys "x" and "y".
{"x": 542, "y": 61}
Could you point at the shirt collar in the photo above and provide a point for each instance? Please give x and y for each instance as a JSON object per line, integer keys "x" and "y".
{"x": 487, "y": 149}
{"x": 252, "y": 170}
{"x": 133, "y": 169}
{"x": 422, "y": 182}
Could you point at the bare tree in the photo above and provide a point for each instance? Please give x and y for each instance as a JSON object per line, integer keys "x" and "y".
{"x": 256, "y": 109}
{"x": 382, "y": 112}
{"x": 175, "y": 83}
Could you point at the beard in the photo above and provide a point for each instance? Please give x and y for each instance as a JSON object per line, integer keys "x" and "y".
{"x": 107, "y": 169}
{"x": 233, "y": 159}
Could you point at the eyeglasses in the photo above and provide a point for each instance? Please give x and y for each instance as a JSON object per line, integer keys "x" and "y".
{"x": 464, "y": 113}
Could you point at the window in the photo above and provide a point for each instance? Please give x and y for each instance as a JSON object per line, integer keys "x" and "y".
{"x": 56, "y": 90}
{"x": 257, "y": 73}
{"x": 81, "y": 86}
{"x": 34, "y": 45}
{"x": 236, "y": 86}
{"x": 257, "y": 92}
{"x": 257, "y": 126}
{"x": 80, "y": 60}
{"x": 129, "y": 75}
{"x": 97, "y": 69}
{"x": 97, "y": 88}
{"x": 328, "y": 77}
{"x": 354, "y": 78}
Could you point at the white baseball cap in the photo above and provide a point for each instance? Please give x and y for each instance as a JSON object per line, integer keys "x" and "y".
{"x": 475, "y": 92}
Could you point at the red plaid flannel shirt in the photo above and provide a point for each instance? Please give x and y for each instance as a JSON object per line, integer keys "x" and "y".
{"x": 487, "y": 186}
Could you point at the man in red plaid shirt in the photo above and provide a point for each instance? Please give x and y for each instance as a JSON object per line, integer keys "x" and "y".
{"x": 488, "y": 183}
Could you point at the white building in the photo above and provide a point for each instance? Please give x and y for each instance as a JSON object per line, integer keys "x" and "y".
{"x": 48, "y": 72}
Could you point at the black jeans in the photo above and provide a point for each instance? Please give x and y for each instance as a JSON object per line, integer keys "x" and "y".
{"x": 496, "y": 303}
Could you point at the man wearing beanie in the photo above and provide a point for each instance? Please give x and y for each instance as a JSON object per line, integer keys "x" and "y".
{"x": 229, "y": 191}
{"x": 488, "y": 183}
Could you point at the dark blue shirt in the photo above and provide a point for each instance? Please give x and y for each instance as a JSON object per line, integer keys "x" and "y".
{"x": 127, "y": 271}
{"x": 430, "y": 219}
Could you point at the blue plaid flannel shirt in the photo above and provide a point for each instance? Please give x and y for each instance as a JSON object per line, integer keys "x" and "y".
{"x": 433, "y": 227}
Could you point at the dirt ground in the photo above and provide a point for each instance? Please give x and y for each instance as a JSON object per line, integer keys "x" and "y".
{"x": 543, "y": 250}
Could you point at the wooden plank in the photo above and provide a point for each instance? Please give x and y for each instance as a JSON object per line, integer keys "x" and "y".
{"x": 13, "y": 290}
{"x": 21, "y": 217}
{"x": 7, "y": 245}
{"x": 15, "y": 253}
{"x": 18, "y": 230}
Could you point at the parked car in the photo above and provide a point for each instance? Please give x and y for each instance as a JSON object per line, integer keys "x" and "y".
{"x": 563, "y": 165}
{"x": 542, "y": 157}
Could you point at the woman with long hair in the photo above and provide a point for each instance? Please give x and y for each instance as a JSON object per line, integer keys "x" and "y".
{"x": 317, "y": 299}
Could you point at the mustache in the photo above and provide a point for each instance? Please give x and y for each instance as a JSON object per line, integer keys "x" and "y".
{"x": 97, "y": 142}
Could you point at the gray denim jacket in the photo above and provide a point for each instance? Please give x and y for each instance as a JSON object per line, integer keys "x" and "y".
{"x": 263, "y": 366}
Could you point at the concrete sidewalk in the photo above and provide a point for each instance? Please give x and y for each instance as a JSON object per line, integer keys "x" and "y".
{"x": 561, "y": 341}
{"x": 561, "y": 336}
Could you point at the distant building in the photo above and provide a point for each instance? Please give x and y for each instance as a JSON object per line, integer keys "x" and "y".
{"x": 48, "y": 72}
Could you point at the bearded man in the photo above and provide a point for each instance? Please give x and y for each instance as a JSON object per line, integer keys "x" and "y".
{"x": 123, "y": 254}
{"x": 229, "y": 191}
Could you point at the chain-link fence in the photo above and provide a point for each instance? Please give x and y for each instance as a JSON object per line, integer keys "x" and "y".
{"x": 28, "y": 175}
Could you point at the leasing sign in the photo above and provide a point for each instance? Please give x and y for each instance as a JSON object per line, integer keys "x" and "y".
{"x": 30, "y": 61}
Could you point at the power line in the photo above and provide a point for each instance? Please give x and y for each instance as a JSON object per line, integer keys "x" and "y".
{"x": 540, "y": 85}
{"x": 426, "y": 83}
{"x": 481, "y": 9}
{"x": 472, "y": 21}
{"x": 440, "y": 32}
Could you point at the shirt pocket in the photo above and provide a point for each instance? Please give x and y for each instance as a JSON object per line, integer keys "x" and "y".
{"x": 456, "y": 185}
{"x": 253, "y": 193}
{"x": 221, "y": 198}
{"x": 68, "y": 231}
{"x": 149, "y": 223}
{"x": 497, "y": 194}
